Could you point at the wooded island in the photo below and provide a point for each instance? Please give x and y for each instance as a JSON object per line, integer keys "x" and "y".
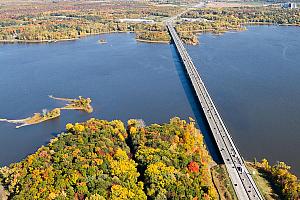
{"x": 81, "y": 103}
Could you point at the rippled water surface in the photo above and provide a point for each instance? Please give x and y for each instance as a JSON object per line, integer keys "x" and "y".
{"x": 253, "y": 76}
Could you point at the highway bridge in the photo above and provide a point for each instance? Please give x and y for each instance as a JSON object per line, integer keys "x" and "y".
{"x": 241, "y": 179}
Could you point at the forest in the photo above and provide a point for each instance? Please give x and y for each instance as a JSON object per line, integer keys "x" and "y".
{"x": 52, "y": 30}
{"x": 69, "y": 22}
{"x": 220, "y": 20}
{"x": 244, "y": 15}
{"x": 174, "y": 160}
{"x": 98, "y": 159}
{"x": 157, "y": 36}
{"x": 285, "y": 183}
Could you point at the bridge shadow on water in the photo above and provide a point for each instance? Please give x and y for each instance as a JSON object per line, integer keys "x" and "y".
{"x": 195, "y": 105}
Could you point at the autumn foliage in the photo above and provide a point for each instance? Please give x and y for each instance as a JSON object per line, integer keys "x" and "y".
{"x": 90, "y": 161}
{"x": 285, "y": 182}
{"x": 193, "y": 167}
{"x": 99, "y": 160}
{"x": 175, "y": 161}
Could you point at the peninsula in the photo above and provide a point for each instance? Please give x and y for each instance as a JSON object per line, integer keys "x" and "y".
{"x": 81, "y": 103}
{"x": 36, "y": 118}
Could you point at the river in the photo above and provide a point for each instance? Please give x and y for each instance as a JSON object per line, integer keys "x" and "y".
{"x": 253, "y": 76}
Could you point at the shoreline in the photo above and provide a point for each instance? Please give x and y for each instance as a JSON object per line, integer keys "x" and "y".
{"x": 81, "y": 104}
{"x": 73, "y": 104}
{"x": 152, "y": 41}
{"x": 61, "y": 40}
{"x": 143, "y": 40}
{"x": 37, "y": 41}
{"x": 37, "y": 122}
{"x": 35, "y": 119}
{"x": 268, "y": 23}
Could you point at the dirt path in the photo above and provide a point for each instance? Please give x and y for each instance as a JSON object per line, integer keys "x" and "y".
{"x": 3, "y": 193}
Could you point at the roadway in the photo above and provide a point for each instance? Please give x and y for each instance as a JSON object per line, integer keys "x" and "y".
{"x": 240, "y": 177}
{"x": 189, "y": 8}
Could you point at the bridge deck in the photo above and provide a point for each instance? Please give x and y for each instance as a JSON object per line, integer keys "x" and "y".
{"x": 242, "y": 181}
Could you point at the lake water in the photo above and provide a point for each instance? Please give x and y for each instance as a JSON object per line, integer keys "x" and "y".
{"x": 253, "y": 76}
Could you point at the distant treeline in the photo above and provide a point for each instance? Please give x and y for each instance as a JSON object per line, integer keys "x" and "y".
{"x": 70, "y": 29}
{"x": 63, "y": 25}
{"x": 220, "y": 20}
{"x": 270, "y": 14}
{"x": 68, "y": 21}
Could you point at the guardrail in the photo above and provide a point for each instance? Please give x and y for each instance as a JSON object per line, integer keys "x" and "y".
{"x": 241, "y": 179}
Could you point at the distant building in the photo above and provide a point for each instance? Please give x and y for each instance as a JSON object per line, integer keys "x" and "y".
{"x": 294, "y": 5}
{"x": 290, "y": 5}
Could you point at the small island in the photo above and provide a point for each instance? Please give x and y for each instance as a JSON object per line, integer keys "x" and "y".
{"x": 189, "y": 38}
{"x": 153, "y": 37}
{"x": 102, "y": 41}
{"x": 81, "y": 103}
{"x": 36, "y": 118}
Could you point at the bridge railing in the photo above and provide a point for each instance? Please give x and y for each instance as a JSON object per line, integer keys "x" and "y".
{"x": 192, "y": 71}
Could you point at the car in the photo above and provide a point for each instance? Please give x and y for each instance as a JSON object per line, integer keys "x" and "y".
{"x": 239, "y": 168}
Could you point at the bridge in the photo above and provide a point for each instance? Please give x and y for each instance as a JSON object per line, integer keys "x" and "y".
{"x": 244, "y": 186}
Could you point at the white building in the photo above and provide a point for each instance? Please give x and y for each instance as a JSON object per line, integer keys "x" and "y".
{"x": 290, "y": 5}
{"x": 293, "y": 5}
